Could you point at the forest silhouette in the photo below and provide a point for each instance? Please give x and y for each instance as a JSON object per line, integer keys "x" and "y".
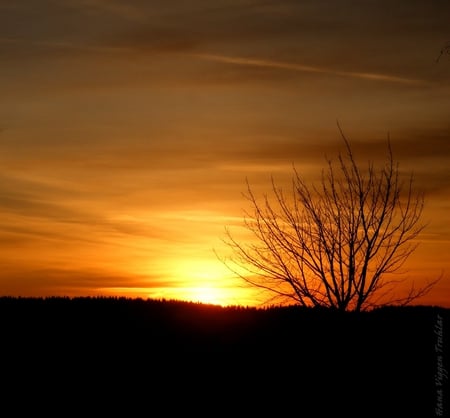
{"x": 315, "y": 361}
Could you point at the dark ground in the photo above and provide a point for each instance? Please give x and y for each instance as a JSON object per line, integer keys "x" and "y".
{"x": 166, "y": 358}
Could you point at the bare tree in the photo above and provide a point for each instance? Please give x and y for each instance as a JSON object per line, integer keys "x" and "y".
{"x": 333, "y": 244}
{"x": 445, "y": 50}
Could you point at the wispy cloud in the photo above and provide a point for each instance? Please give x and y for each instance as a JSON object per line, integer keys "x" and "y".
{"x": 116, "y": 8}
{"x": 62, "y": 45}
{"x": 307, "y": 68}
{"x": 47, "y": 282}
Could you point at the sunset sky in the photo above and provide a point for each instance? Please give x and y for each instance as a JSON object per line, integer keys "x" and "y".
{"x": 128, "y": 129}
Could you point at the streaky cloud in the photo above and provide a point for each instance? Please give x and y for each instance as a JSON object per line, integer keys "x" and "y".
{"x": 307, "y": 68}
{"x": 116, "y": 8}
{"x": 63, "y": 45}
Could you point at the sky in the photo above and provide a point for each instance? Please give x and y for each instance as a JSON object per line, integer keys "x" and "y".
{"x": 128, "y": 130}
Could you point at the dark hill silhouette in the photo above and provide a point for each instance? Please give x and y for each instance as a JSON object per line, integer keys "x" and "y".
{"x": 302, "y": 361}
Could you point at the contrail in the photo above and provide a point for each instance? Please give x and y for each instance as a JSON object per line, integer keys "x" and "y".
{"x": 229, "y": 60}
{"x": 306, "y": 68}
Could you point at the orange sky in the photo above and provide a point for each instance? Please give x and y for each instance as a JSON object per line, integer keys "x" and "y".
{"x": 127, "y": 130}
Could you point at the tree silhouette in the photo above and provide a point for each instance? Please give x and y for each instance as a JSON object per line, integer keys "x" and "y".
{"x": 332, "y": 244}
{"x": 445, "y": 50}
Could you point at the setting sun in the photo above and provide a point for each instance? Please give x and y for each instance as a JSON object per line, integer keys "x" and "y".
{"x": 205, "y": 294}
{"x": 128, "y": 133}
{"x": 195, "y": 193}
{"x": 204, "y": 280}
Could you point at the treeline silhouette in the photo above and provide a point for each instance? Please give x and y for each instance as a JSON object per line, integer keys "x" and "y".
{"x": 325, "y": 362}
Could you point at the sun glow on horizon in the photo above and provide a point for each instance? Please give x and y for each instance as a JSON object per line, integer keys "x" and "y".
{"x": 204, "y": 280}
{"x": 206, "y": 294}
